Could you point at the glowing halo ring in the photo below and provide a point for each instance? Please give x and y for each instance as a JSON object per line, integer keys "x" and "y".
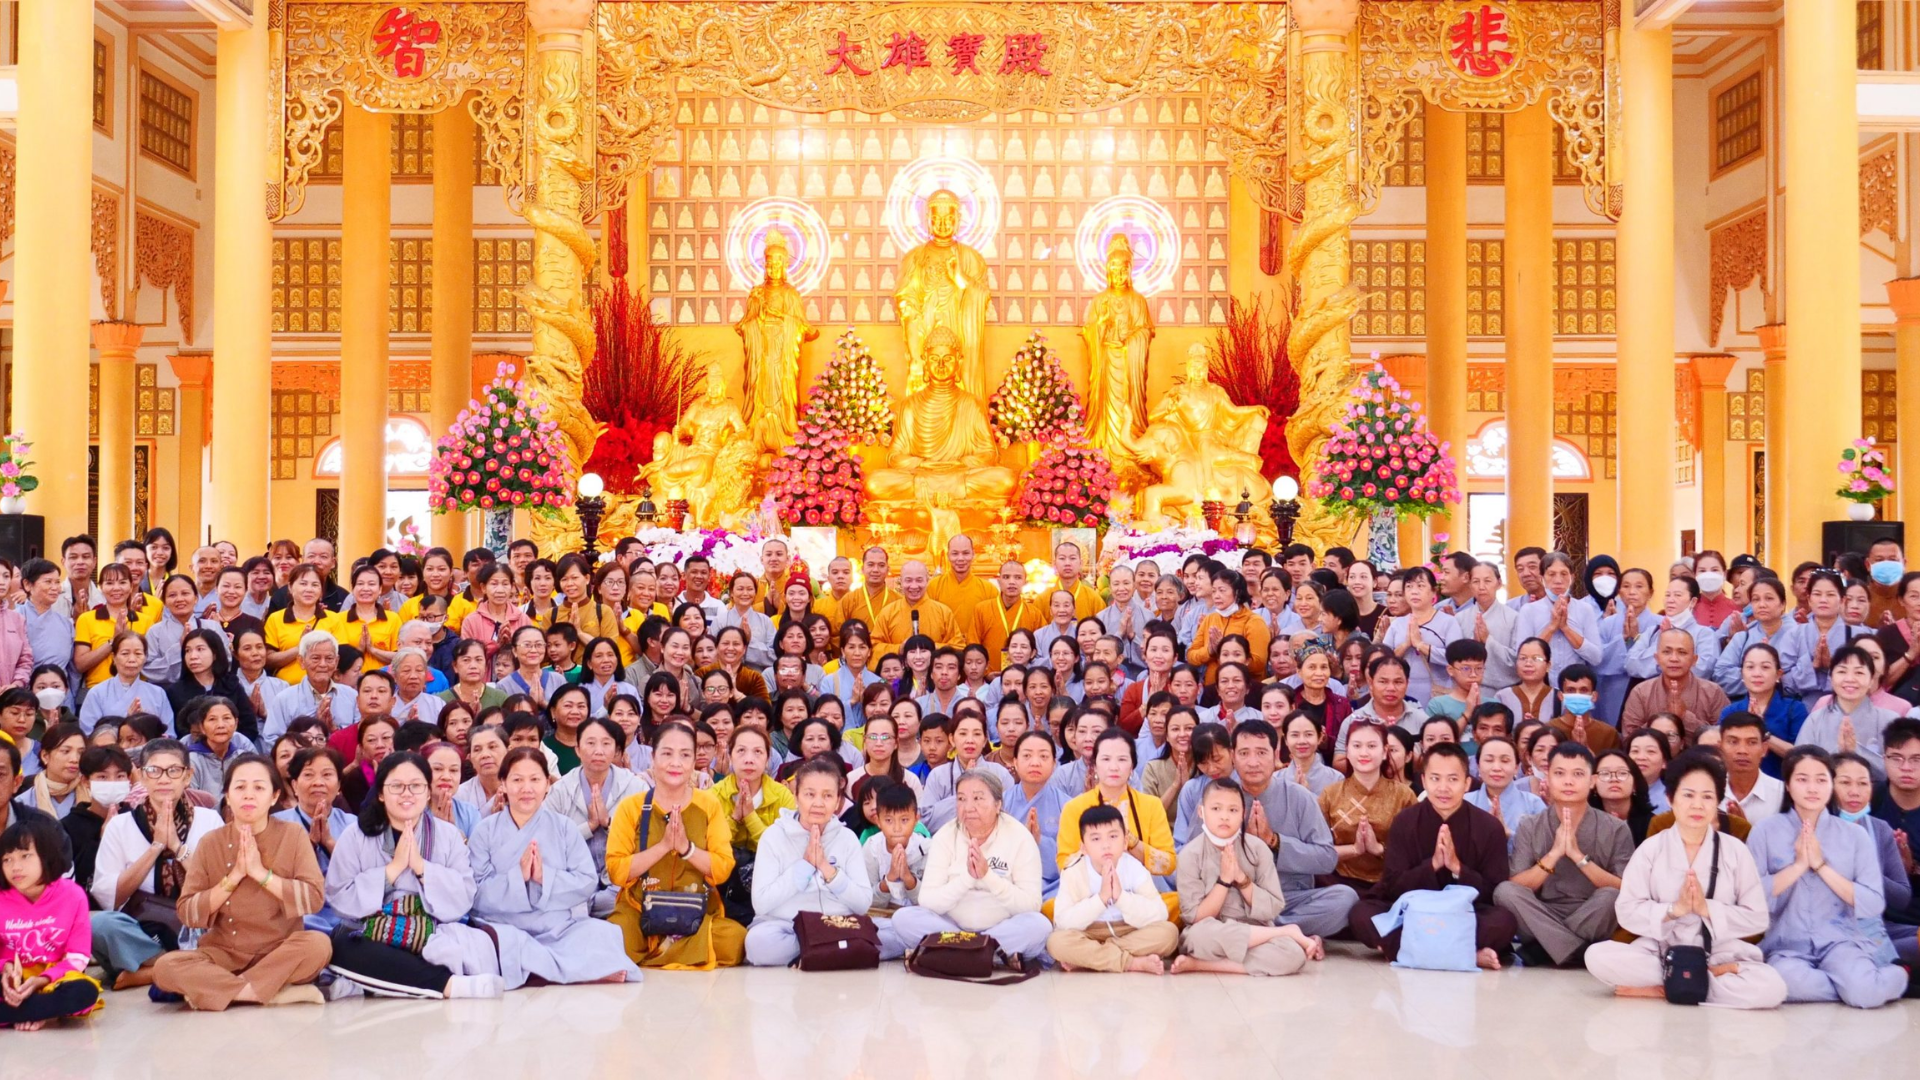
{"x": 1148, "y": 226}
{"x": 809, "y": 245}
{"x": 906, "y": 213}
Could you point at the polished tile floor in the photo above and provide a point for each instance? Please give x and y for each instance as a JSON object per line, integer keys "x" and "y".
{"x": 1349, "y": 1016}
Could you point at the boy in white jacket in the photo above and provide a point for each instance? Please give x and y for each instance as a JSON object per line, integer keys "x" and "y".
{"x": 983, "y": 874}
{"x": 896, "y": 858}
{"x": 807, "y": 861}
{"x": 1109, "y": 914}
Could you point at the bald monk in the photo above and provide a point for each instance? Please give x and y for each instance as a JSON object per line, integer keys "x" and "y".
{"x": 915, "y": 613}
{"x": 960, "y": 588}
{"x": 995, "y": 620}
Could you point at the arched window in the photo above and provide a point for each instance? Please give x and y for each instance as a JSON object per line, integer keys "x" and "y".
{"x": 1487, "y": 456}
{"x": 409, "y": 450}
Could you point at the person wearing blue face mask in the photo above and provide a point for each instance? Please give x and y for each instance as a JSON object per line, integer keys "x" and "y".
{"x": 1886, "y": 565}
{"x": 1576, "y": 722}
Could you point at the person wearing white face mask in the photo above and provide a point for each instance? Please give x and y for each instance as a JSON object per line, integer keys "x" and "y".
{"x": 1710, "y": 573}
{"x": 1230, "y": 896}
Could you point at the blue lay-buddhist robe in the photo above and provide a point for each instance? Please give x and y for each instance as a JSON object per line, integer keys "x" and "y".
{"x": 542, "y": 926}
{"x": 1815, "y": 941}
{"x": 357, "y": 887}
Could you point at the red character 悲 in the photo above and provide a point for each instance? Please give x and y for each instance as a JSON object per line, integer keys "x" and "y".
{"x": 843, "y": 57}
{"x": 403, "y": 35}
{"x": 1024, "y": 53}
{"x": 1476, "y": 43}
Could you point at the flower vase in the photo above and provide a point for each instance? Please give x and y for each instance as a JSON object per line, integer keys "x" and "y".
{"x": 13, "y": 504}
{"x": 1383, "y": 539}
{"x": 497, "y": 531}
{"x": 1860, "y": 511}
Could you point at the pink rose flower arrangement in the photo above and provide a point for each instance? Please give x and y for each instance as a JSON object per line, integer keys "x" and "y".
{"x": 1381, "y": 456}
{"x": 502, "y": 451}
{"x": 1070, "y": 486}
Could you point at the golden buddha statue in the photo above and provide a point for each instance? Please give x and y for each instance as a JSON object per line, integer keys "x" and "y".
{"x": 688, "y": 462}
{"x": 771, "y": 332}
{"x": 1199, "y": 444}
{"x": 1116, "y": 335}
{"x": 943, "y": 453}
{"x": 943, "y": 282}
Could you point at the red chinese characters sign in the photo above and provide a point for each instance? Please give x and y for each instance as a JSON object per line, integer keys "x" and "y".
{"x": 402, "y": 36}
{"x": 1020, "y": 54}
{"x": 1478, "y": 44}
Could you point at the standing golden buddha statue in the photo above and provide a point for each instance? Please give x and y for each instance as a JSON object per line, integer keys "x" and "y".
{"x": 943, "y": 282}
{"x": 1118, "y": 329}
{"x": 771, "y": 332}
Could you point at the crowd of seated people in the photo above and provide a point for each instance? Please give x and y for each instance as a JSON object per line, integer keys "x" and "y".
{"x": 455, "y": 777}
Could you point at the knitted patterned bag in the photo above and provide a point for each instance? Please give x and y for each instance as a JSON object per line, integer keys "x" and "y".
{"x": 402, "y": 922}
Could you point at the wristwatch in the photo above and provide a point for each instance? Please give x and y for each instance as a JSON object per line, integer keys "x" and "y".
{"x": 1584, "y": 860}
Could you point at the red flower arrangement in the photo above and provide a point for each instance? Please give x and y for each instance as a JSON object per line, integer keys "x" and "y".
{"x": 1070, "y": 485}
{"x": 1381, "y": 456}
{"x": 502, "y": 452}
{"x": 638, "y": 382}
{"x": 1247, "y": 358}
{"x": 816, "y": 480}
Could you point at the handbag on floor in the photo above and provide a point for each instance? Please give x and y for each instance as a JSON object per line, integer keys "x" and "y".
{"x": 836, "y": 942}
{"x": 736, "y": 893}
{"x": 965, "y": 956}
{"x": 1684, "y": 973}
{"x": 667, "y": 914}
{"x": 1437, "y": 928}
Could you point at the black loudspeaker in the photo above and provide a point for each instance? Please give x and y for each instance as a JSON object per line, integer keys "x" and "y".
{"x": 23, "y": 537}
{"x": 1841, "y": 536}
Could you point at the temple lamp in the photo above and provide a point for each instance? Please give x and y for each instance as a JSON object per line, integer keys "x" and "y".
{"x": 1244, "y": 531}
{"x": 648, "y": 513}
{"x": 591, "y": 506}
{"x": 1285, "y": 507}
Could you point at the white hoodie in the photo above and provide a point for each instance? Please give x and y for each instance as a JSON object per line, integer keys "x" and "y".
{"x": 1012, "y": 885}
{"x": 785, "y": 884}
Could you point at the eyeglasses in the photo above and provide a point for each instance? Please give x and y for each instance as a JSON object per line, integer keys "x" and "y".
{"x": 876, "y": 738}
{"x": 1611, "y": 774}
{"x": 171, "y": 772}
{"x": 406, "y": 789}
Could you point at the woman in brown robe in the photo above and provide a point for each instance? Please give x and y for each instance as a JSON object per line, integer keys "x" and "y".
{"x": 248, "y": 885}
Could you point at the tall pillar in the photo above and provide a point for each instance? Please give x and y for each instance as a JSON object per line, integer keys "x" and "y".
{"x": 195, "y": 372}
{"x": 1819, "y": 414}
{"x": 242, "y": 390}
{"x": 116, "y": 342}
{"x": 453, "y": 177}
{"x": 1319, "y": 253}
{"x": 1645, "y": 365}
{"x": 367, "y": 190}
{"x": 1904, "y": 295}
{"x": 52, "y": 268}
{"x": 1529, "y": 288}
{"x": 1773, "y": 351}
{"x": 1446, "y": 268}
{"x": 1710, "y": 370}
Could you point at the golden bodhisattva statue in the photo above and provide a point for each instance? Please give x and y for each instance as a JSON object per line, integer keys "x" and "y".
{"x": 943, "y": 454}
{"x": 943, "y": 282}
{"x": 771, "y": 332}
{"x": 1118, "y": 330}
{"x": 1199, "y": 443}
{"x": 703, "y": 460}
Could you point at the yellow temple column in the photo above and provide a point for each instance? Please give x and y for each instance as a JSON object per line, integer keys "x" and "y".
{"x": 195, "y": 372}
{"x": 1710, "y": 370}
{"x": 116, "y": 342}
{"x": 1819, "y": 413}
{"x": 1446, "y": 268}
{"x": 1773, "y": 352}
{"x": 1319, "y": 253}
{"x": 242, "y": 389}
{"x": 453, "y": 177}
{"x": 1529, "y": 288}
{"x": 367, "y": 219}
{"x": 563, "y": 249}
{"x": 1904, "y": 295}
{"x": 1645, "y": 302}
{"x": 52, "y": 268}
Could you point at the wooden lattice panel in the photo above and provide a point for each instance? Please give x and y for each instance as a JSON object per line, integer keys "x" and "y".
{"x": 1879, "y": 415}
{"x": 1486, "y": 294}
{"x": 502, "y": 267}
{"x": 410, "y": 286}
{"x": 726, "y": 152}
{"x": 1747, "y": 409}
{"x": 1585, "y": 292}
{"x": 1739, "y": 121}
{"x": 1393, "y": 274}
{"x": 166, "y": 122}
{"x": 306, "y": 284}
{"x": 153, "y": 404}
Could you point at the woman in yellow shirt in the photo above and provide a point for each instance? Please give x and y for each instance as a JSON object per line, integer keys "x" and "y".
{"x": 1149, "y": 837}
{"x": 541, "y": 606}
{"x": 304, "y": 612}
{"x": 436, "y": 579}
{"x": 600, "y": 609}
{"x": 94, "y": 629}
{"x": 366, "y": 625}
{"x": 753, "y": 800}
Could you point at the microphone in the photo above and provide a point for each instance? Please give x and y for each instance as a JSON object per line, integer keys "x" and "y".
{"x": 915, "y": 615}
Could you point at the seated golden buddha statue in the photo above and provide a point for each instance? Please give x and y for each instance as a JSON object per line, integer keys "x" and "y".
{"x": 1199, "y": 444}
{"x": 689, "y": 462}
{"x": 943, "y": 451}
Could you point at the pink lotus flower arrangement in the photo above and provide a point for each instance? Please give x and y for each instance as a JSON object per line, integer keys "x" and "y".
{"x": 1863, "y": 473}
{"x": 1070, "y": 485}
{"x": 502, "y": 453}
{"x": 15, "y": 480}
{"x": 1381, "y": 456}
{"x": 817, "y": 480}
{"x": 1036, "y": 401}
